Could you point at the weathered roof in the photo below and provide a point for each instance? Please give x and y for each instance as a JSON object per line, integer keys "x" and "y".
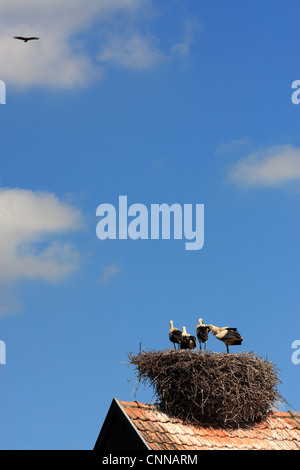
{"x": 281, "y": 431}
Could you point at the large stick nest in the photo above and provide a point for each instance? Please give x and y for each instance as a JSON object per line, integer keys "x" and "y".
{"x": 208, "y": 387}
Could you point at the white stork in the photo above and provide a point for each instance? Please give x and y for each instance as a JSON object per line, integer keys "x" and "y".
{"x": 202, "y": 333}
{"x": 175, "y": 335}
{"x": 188, "y": 341}
{"x": 229, "y": 336}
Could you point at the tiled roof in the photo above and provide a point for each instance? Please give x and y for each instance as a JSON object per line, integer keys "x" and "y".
{"x": 281, "y": 431}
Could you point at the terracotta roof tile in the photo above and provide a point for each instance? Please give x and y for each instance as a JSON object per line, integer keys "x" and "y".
{"x": 281, "y": 431}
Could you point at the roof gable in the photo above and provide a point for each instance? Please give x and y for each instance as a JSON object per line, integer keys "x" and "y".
{"x": 281, "y": 431}
{"x": 119, "y": 432}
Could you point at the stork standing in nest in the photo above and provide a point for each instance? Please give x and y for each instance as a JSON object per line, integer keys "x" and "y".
{"x": 202, "y": 333}
{"x": 175, "y": 335}
{"x": 229, "y": 336}
{"x": 188, "y": 341}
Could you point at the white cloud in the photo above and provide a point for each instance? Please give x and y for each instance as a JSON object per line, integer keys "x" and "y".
{"x": 78, "y": 40}
{"x": 30, "y": 224}
{"x": 271, "y": 167}
{"x": 57, "y": 59}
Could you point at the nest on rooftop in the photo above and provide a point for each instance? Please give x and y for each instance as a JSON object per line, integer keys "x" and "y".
{"x": 227, "y": 390}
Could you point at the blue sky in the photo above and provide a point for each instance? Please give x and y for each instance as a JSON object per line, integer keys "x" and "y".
{"x": 184, "y": 102}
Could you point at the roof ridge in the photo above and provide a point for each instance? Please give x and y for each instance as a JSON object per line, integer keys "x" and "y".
{"x": 172, "y": 419}
{"x": 141, "y": 404}
{"x": 156, "y": 408}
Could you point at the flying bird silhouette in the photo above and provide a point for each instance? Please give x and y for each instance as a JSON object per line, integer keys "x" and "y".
{"x": 229, "y": 336}
{"x": 25, "y": 39}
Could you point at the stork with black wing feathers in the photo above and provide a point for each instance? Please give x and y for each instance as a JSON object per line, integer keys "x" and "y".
{"x": 175, "y": 335}
{"x": 229, "y": 336}
{"x": 202, "y": 333}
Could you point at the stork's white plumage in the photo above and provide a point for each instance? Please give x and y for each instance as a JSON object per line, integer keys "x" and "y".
{"x": 175, "y": 335}
{"x": 188, "y": 341}
{"x": 229, "y": 336}
{"x": 202, "y": 333}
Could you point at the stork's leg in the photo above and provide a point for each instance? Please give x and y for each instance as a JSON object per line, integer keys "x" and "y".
{"x": 200, "y": 346}
{"x": 227, "y": 348}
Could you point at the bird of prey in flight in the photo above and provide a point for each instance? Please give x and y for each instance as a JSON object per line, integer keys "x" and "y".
{"x": 25, "y": 39}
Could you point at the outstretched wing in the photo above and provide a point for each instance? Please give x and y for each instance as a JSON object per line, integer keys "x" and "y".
{"x": 22, "y": 38}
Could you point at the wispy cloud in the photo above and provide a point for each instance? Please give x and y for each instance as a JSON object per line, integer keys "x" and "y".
{"x": 109, "y": 272}
{"x": 182, "y": 48}
{"x": 232, "y": 146}
{"x": 79, "y": 40}
{"x": 8, "y": 302}
{"x": 132, "y": 51}
{"x": 274, "y": 166}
